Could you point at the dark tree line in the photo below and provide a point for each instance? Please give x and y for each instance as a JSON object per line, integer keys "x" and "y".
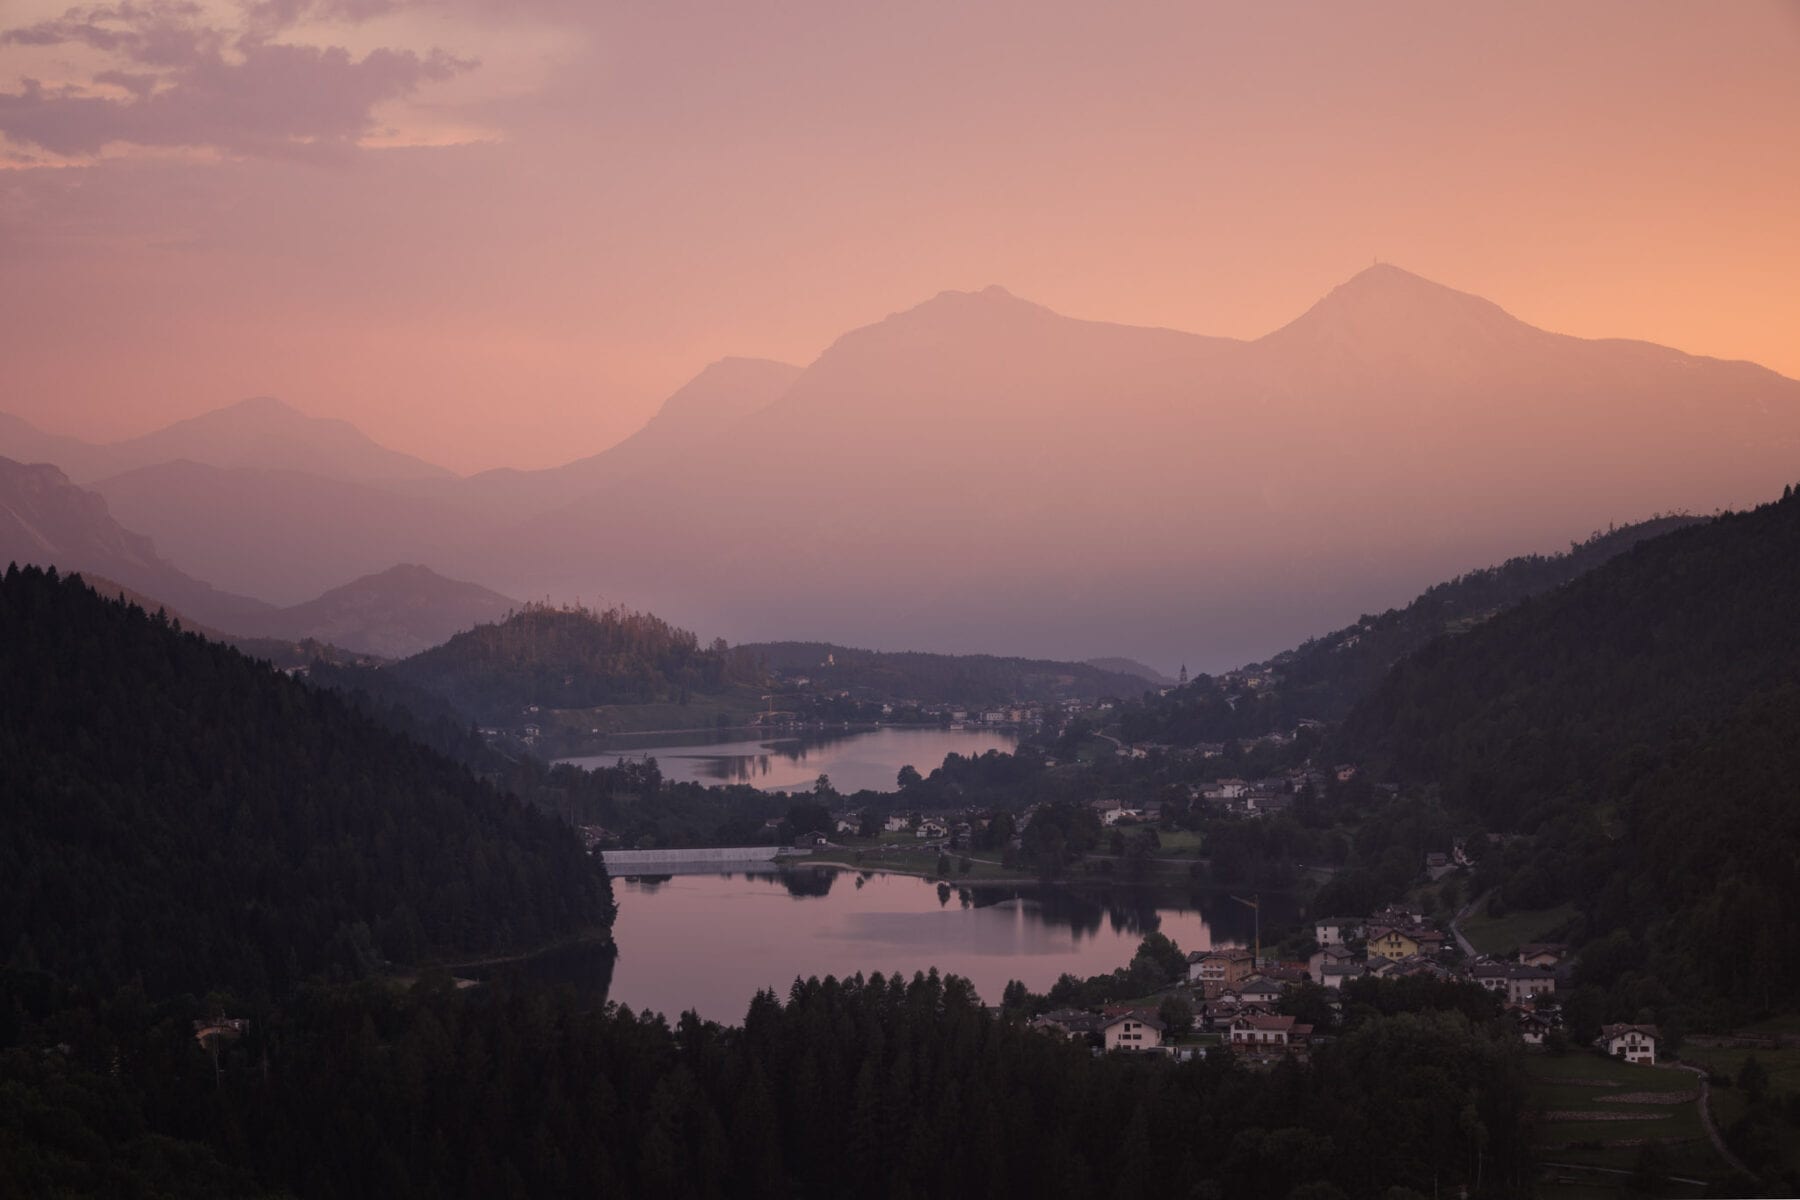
{"x": 1326, "y": 676}
{"x": 882, "y": 1087}
{"x": 183, "y": 816}
{"x": 573, "y": 658}
{"x": 1640, "y": 723}
{"x": 971, "y": 679}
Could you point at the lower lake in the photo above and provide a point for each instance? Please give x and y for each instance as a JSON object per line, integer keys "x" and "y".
{"x": 855, "y": 760}
{"x": 709, "y": 942}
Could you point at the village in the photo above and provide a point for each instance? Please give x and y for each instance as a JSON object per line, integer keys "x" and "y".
{"x": 1236, "y": 994}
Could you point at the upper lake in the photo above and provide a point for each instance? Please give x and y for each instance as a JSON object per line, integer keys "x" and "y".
{"x": 855, "y": 760}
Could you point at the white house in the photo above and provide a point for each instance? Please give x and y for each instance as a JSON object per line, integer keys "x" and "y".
{"x": 1633, "y": 1043}
{"x": 1132, "y": 1031}
{"x": 1335, "y": 931}
{"x": 897, "y": 823}
{"x": 1268, "y": 1033}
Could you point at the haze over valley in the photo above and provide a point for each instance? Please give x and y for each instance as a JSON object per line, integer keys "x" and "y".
{"x": 978, "y": 473}
{"x": 949, "y": 599}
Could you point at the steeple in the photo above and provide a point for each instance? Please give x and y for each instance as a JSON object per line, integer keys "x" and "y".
{"x": 1184, "y": 676}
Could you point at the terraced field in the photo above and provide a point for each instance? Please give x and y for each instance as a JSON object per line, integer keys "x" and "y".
{"x": 1596, "y": 1114}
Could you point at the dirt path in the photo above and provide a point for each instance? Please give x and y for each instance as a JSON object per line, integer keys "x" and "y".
{"x": 1706, "y": 1120}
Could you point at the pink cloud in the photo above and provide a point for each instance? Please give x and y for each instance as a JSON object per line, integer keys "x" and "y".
{"x": 192, "y": 84}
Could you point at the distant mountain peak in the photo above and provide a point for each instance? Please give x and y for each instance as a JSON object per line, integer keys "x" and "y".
{"x": 1385, "y": 312}
{"x": 263, "y": 404}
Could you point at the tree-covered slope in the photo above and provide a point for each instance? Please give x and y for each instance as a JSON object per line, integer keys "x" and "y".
{"x": 571, "y": 658}
{"x": 1323, "y": 678}
{"x": 1642, "y": 722}
{"x": 181, "y": 815}
{"x": 971, "y": 679}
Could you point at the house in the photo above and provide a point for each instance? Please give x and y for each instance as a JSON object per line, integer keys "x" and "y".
{"x": 1287, "y": 974}
{"x": 811, "y": 840}
{"x": 1258, "y": 990}
{"x": 1335, "y": 931}
{"x": 1490, "y": 974}
{"x": 1528, "y": 983}
{"x": 1068, "y": 1023}
{"x": 1431, "y": 941}
{"x": 1534, "y": 1026}
{"x": 1335, "y": 974}
{"x": 1218, "y": 969}
{"x": 1387, "y": 941}
{"x": 1543, "y": 954}
{"x": 849, "y": 825}
{"x": 897, "y": 823}
{"x": 1271, "y": 1034}
{"x": 1633, "y": 1043}
{"x": 1111, "y": 812}
{"x": 1328, "y": 959}
{"x": 929, "y": 828}
{"x": 1133, "y": 1030}
{"x": 1438, "y": 865}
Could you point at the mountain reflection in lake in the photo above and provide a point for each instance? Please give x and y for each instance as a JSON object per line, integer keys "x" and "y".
{"x": 708, "y": 942}
{"x": 855, "y": 759}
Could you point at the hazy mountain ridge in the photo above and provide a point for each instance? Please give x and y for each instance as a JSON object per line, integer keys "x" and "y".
{"x": 46, "y": 520}
{"x": 979, "y": 473}
{"x": 394, "y": 613}
{"x": 258, "y": 432}
{"x": 979, "y": 463}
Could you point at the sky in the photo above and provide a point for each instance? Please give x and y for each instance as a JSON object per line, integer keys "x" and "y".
{"x": 499, "y": 233}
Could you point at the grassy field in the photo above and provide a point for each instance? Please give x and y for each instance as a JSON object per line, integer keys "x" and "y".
{"x": 1573, "y": 1095}
{"x": 1728, "y": 1102}
{"x": 1500, "y": 935}
{"x": 733, "y": 707}
{"x": 1178, "y": 842}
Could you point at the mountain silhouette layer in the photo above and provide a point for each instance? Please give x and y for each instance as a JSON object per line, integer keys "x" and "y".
{"x": 980, "y": 473}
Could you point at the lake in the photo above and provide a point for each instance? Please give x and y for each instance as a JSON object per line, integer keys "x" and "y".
{"x": 708, "y": 942}
{"x": 855, "y": 760}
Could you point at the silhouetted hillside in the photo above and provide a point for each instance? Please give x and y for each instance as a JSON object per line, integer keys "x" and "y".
{"x": 181, "y": 815}
{"x": 1642, "y": 722}
{"x": 571, "y": 658}
{"x": 1323, "y": 678}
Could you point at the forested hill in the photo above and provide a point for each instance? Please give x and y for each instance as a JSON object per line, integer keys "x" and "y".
{"x": 572, "y": 658}
{"x": 1323, "y": 678}
{"x": 1644, "y": 720}
{"x": 181, "y": 816}
{"x": 971, "y": 679}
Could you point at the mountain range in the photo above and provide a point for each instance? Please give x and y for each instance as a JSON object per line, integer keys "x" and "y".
{"x": 49, "y": 521}
{"x": 981, "y": 473}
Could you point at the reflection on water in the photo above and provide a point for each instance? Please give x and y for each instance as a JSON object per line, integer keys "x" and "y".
{"x": 865, "y": 759}
{"x": 709, "y": 942}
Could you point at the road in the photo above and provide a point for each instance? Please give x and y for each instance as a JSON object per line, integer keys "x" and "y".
{"x": 1456, "y": 932}
{"x": 1706, "y": 1120}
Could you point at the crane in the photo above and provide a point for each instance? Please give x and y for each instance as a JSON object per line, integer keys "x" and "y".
{"x": 1255, "y": 904}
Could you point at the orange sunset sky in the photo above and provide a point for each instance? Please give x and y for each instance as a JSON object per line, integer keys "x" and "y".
{"x": 500, "y": 233}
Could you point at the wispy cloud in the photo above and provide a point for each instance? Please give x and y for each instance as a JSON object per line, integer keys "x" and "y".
{"x": 175, "y": 76}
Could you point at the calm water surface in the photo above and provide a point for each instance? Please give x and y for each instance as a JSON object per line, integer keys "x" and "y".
{"x": 855, "y": 760}
{"x": 708, "y": 942}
